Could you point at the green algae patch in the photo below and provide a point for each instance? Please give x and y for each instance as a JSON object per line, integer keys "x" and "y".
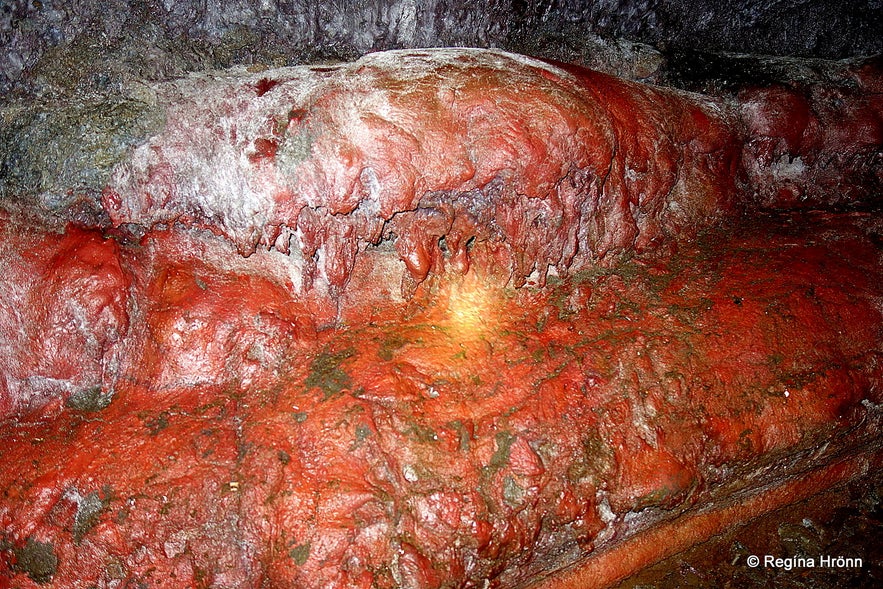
{"x": 327, "y": 375}
{"x": 53, "y": 152}
{"x": 389, "y": 346}
{"x": 89, "y": 512}
{"x": 594, "y": 461}
{"x": 37, "y": 560}
{"x": 500, "y": 458}
{"x": 300, "y": 554}
{"x": 89, "y": 400}
{"x": 513, "y": 493}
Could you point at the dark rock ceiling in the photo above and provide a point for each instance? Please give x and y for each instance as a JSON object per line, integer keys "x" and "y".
{"x": 90, "y": 45}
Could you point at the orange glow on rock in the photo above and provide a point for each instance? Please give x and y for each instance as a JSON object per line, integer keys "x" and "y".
{"x": 472, "y": 308}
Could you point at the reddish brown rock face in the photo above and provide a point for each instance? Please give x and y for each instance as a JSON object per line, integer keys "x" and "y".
{"x": 813, "y": 145}
{"x": 476, "y": 433}
{"x": 65, "y": 316}
{"x": 557, "y": 168}
{"x": 583, "y": 362}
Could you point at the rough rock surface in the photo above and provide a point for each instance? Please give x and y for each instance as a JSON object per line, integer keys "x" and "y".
{"x": 593, "y": 341}
{"x": 844, "y": 521}
{"x": 445, "y": 146}
{"x": 816, "y": 142}
{"x": 91, "y": 45}
{"x": 68, "y": 307}
{"x": 561, "y": 167}
{"x": 470, "y": 433}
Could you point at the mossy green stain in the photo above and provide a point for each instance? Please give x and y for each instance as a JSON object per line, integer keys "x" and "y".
{"x": 513, "y": 493}
{"x": 300, "y": 554}
{"x": 595, "y": 460}
{"x": 362, "y": 432}
{"x": 37, "y": 560}
{"x": 462, "y": 434}
{"x": 389, "y": 346}
{"x": 157, "y": 424}
{"x": 89, "y": 400}
{"x": 500, "y": 458}
{"x": 420, "y": 433}
{"x": 327, "y": 375}
{"x": 57, "y": 152}
{"x": 89, "y": 510}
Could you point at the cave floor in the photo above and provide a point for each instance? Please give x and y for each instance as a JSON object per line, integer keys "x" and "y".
{"x": 845, "y": 521}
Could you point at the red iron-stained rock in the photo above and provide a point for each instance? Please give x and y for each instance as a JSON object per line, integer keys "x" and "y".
{"x": 557, "y": 167}
{"x": 474, "y": 432}
{"x": 816, "y": 145}
{"x": 230, "y": 383}
{"x": 64, "y": 316}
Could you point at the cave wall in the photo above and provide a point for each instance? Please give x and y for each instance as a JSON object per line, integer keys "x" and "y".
{"x": 753, "y": 343}
{"x": 91, "y": 45}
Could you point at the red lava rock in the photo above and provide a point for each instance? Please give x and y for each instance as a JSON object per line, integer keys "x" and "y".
{"x": 815, "y": 145}
{"x": 64, "y": 313}
{"x": 557, "y": 167}
{"x": 470, "y": 433}
{"x": 581, "y": 361}
{"x": 553, "y": 166}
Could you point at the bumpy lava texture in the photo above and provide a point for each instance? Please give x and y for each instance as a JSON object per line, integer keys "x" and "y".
{"x": 438, "y": 319}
